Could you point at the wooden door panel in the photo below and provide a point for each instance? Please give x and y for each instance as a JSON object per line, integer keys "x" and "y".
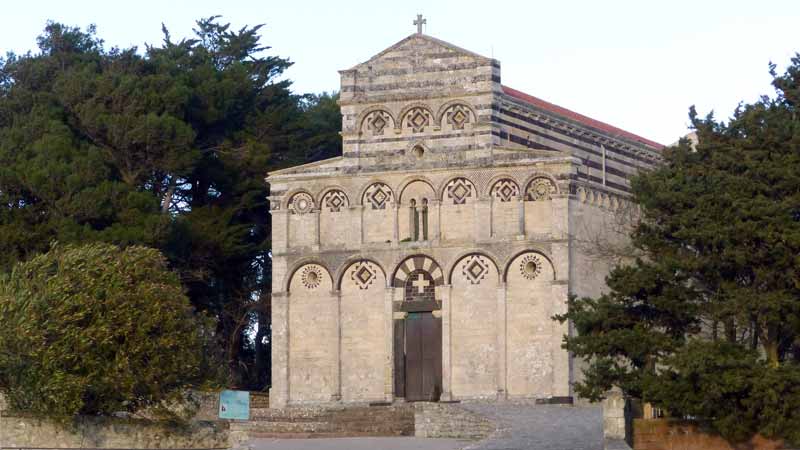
{"x": 423, "y": 359}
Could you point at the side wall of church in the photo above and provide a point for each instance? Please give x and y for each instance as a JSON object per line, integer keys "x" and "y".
{"x": 601, "y": 157}
{"x": 599, "y": 227}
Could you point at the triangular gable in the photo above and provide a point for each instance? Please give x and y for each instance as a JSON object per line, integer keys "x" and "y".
{"x": 422, "y": 40}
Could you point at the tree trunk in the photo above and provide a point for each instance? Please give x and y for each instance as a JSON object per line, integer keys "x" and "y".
{"x": 167, "y": 201}
{"x": 771, "y": 343}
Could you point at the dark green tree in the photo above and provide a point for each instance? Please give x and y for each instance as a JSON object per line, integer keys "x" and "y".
{"x": 166, "y": 148}
{"x": 706, "y": 323}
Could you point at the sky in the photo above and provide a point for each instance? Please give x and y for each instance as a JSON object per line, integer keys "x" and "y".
{"x": 637, "y": 65}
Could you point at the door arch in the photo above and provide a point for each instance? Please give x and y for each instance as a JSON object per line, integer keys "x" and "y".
{"x": 418, "y": 330}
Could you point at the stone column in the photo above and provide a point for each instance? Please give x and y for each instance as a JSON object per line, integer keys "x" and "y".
{"x": 502, "y": 346}
{"x": 396, "y": 224}
{"x": 521, "y": 218}
{"x": 421, "y": 232}
{"x": 279, "y": 392}
{"x": 337, "y": 352}
{"x": 483, "y": 220}
{"x": 447, "y": 360}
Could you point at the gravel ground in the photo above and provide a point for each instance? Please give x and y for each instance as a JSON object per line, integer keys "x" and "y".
{"x": 541, "y": 427}
{"x": 400, "y": 443}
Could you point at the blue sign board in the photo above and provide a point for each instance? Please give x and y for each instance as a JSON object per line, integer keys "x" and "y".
{"x": 234, "y": 405}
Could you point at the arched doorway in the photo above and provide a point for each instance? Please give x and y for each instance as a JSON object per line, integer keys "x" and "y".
{"x": 418, "y": 330}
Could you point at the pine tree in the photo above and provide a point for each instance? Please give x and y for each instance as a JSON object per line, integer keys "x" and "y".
{"x": 166, "y": 147}
{"x": 707, "y": 323}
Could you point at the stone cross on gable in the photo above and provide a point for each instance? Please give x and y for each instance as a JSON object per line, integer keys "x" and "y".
{"x": 419, "y": 22}
{"x": 421, "y": 283}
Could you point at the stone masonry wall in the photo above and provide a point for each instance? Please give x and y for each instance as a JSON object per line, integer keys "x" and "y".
{"x": 108, "y": 433}
{"x": 441, "y": 420}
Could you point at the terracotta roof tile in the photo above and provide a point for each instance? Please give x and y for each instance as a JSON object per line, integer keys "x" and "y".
{"x": 564, "y": 112}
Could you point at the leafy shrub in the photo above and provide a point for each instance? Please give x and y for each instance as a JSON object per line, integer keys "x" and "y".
{"x": 97, "y": 330}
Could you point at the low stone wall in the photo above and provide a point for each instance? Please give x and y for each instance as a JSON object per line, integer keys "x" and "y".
{"x": 432, "y": 420}
{"x": 110, "y": 433}
{"x": 448, "y": 420}
{"x": 259, "y": 400}
{"x": 666, "y": 434}
{"x": 328, "y": 421}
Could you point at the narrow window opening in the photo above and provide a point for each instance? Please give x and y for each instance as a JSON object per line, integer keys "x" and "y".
{"x": 414, "y": 220}
{"x": 424, "y": 219}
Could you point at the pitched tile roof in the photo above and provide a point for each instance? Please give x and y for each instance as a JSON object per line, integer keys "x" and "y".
{"x": 588, "y": 121}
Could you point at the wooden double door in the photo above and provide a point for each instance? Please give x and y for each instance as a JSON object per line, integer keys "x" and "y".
{"x": 422, "y": 361}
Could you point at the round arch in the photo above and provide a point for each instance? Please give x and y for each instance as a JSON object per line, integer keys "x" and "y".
{"x": 487, "y": 190}
{"x": 461, "y": 256}
{"x": 403, "y": 112}
{"x": 510, "y": 260}
{"x": 440, "y": 192}
{"x": 404, "y": 184}
{"x": 335, "y": 187}
{"x": 363, "y": 191}
{"x": 535, "y": 175}
{"x": 362, "y": 116}
{"x": 353, "y": 260}
{"x": 419, "y": 261}
{"x": 446, "y": 105}
{"x": 287, "y": 198}
{"x": 299, "y": 264}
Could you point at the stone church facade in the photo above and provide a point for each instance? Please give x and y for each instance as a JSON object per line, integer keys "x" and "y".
{"x": 426, "y": 262}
